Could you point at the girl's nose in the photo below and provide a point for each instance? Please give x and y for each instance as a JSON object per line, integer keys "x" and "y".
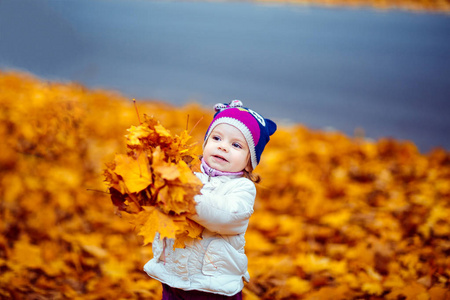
{"x": 223, "y": 147}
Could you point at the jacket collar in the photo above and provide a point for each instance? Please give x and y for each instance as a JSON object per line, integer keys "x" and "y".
{"x": 206, "y": 169}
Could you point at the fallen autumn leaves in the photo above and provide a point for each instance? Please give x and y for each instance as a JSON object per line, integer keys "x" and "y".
{"x": 335, "y": 217}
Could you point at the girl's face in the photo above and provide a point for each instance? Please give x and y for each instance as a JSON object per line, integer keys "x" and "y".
{"x": 226, "y": 149}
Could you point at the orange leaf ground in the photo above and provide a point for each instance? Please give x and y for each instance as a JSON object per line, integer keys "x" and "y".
{"x": 335, "y": 217}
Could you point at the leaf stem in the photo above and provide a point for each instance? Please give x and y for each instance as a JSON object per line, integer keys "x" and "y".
{"x": 137, "y": 112}
{"x": 195, "y": 125}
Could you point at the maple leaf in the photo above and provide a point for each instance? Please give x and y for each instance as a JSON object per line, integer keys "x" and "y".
{"x": 341, "y": 292}
{"x": 337, "y": 219}
{"x": 27, "y": 255}
{"x": 297, "y": 285}
{"x": 409, "y": 292}
{"x": 156, "y": 221}
{"x": 166, "y": 170}
{"x": 172, "y": 200}
{"x": 187, "y": 177}
{"x": 372, "y": 288}
{"x": 134, "y": 172}
{"x": 161, "y": 131}
{"x": 136, "y": 133}
{"x": 187, "y": 231}
{"x": 118, "y": 199}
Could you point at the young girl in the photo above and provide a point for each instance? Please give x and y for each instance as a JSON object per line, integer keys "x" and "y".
{"x": 215, "y": 266}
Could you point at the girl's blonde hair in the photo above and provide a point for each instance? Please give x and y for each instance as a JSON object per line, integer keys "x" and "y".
{"x": 250, "y": 175}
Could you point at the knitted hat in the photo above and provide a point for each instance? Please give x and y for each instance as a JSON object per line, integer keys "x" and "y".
{"x": 254, "y": 127}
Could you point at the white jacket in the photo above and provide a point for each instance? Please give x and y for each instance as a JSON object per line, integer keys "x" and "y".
{"x": 217, "y": 263}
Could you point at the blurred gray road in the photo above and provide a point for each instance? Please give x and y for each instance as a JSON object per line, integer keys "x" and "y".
{"x": 387, "y": 72}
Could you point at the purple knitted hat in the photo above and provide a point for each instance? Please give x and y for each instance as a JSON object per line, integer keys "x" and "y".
{"x": 256, "y": 129}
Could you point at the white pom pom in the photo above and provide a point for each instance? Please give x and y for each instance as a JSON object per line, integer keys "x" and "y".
{"x": 236, "y": 103}
{"x": 220, "y": 106}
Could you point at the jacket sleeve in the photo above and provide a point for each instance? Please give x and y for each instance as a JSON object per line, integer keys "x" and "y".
{"x": 227, "y": 214}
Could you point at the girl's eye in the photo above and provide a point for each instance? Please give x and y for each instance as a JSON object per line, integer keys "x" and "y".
{"x": 237, "y": 145}
{"x": 216, "y": 138}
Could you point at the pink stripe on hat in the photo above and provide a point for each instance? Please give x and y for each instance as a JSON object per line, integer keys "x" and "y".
{"x": 245, "y": 117}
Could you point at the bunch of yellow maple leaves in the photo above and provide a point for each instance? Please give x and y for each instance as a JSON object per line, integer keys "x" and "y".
{"x": 335, "y": 217}
{"x": 155, "y": 182}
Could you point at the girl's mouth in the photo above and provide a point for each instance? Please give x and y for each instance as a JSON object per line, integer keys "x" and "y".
{"x": 220, "y": 158}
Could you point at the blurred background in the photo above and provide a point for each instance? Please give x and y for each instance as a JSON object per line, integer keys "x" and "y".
{"x": 345, "y": 218}
{"x": 386, "y": 72}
